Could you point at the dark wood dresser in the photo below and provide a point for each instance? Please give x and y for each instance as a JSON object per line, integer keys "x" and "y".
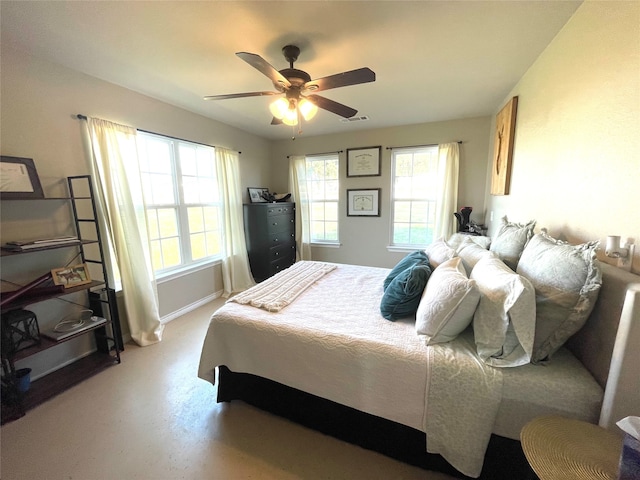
{"x": 270, "y": 231}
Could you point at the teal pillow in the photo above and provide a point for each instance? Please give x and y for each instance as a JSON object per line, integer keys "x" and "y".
{"x": 402, "y": 296}
{"x": 419, "y": 257}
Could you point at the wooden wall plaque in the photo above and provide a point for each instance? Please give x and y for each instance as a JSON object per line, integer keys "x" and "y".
{"x": 503, "y": 148}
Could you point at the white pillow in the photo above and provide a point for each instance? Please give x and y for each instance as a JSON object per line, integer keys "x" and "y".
{"x": 471, "y": 253}
{"x": 505, "y": 321}
{"x": 457, "y": 239}
{"x": 567, "y": 280}
{"x": 447, "y": 304}
{"x": 439, "y": 252}
{"x": 511, "y": 240}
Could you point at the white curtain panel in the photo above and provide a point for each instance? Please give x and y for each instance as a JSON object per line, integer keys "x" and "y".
{"x": 116, "y": 176}
{"x": 236, "y": 273}
{"x": 447, "y": 195}
{"x": 299, "y": 189}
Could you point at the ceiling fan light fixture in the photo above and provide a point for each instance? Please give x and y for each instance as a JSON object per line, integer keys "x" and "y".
{"x": 307, "y": 108}
{"x": 290, "y": 117}
{"x": 279, "y": 108}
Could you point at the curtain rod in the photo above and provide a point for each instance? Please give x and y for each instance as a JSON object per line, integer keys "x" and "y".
{"x": 84, "y": 117}
{"x": 318, "y": 154}
{"x": 427, "y": 145}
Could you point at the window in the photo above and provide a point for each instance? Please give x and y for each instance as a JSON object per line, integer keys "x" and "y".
{"x": 183, "y": 206}
{"x": 323, "y": 183}
{"x": 414, "y": 177}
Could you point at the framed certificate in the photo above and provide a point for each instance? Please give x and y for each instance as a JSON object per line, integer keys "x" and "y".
{"x": 363, "y": 203}
{"x": 363, "y": 162}
{"x": 19, "y": 179}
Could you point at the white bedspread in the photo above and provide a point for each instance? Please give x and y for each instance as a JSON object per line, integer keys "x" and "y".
{"x": 332, "y": 342}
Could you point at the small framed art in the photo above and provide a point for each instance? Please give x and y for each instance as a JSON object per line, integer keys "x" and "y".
{"x": 255, "y": 194}
{"x": 71, "y": 276}
{"x": 19, "y": 179}
{"x": 503, "y": 148}
{"x": 363, "y": 203}
{"x": 363, "y": 162}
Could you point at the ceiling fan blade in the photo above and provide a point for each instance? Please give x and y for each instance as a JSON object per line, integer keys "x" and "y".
{"x": 240, "y": 95}
{"x": 260, "y": 64}
{"x": 344, "y": 79}
{"x": 331, "y": 106}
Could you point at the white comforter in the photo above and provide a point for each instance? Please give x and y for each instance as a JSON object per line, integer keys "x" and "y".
{"x": 332, "y": 342}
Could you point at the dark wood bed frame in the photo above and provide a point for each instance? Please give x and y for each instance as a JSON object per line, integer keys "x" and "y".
{"x": 504, "y": 459}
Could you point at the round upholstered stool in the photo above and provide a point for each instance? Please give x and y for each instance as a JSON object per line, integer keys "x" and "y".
{"x": 559, "y": 448}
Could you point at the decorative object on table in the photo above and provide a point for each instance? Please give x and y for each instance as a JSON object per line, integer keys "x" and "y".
{"x": 71, "y": 276}
{"x": 463, "y": 218}
{"x": 255, "y": 194}
{"x": 630, "y": 458}
{"x": 624, "y": 253}
{"x": 19, "y": 178}
{"x": 363, "y": 162}
{"x": 281, "y": 197}
{"x": 503, "y": 148}
{"x": 19, "y": 331}
{"x": 363, "y": 203}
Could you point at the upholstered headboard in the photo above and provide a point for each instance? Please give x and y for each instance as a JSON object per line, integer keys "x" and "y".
{"x": 609, "y": 343}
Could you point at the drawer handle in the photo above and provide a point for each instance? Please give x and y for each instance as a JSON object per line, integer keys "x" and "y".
{"x": 274, "y": 224}
{"x": 277, "y": 253}
{"x": 275, "y": 239}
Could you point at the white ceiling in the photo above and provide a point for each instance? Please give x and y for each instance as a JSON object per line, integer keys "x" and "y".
{"x": 434, "y": 60}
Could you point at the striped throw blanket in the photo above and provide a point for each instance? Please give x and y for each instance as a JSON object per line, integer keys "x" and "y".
{"x": 278, "y": 291}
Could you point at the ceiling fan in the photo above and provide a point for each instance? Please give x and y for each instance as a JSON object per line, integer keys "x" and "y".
{"x": 298, "y": 88}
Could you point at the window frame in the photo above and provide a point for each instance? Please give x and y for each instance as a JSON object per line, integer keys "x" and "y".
{"x": 432, "y": 151}
{"x": 309, "y": 180}
{"x": 181, "y": 207}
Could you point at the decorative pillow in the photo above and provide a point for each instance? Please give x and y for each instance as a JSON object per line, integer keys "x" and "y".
{"x": 471, "y": 253}
{"x": 456, "y": 240}
{"x": 505, "y": 321}
{"x": 439, "y": 252}
{"x": 448, "y": 303}
{"x": 511, "y": 240}
{"x": 414, "y": 258}
{"x": 567, "y": 280}
{"x": 402, "y": 296}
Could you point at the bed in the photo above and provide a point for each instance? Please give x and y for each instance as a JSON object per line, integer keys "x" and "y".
{"x": 324, "y": 356}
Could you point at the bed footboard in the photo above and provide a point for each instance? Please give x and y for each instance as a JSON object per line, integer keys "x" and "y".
{"x": 504, "y": 458}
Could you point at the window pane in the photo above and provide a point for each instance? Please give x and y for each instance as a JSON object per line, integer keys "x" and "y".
{"x": 324, "y": 191}
{"x": 167, "y": 222}
{"x": 198, "y": 246}
{"x": 196, "y": 219}
{"x": 170, "y": 252}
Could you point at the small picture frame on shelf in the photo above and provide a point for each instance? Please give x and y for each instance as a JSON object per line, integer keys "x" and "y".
{"x": 19, "y": 178}
{"x": 71, "y": 276}
{"x": 363, "y": 162}
{"x": 363, "y": 202}
{"x": 255, "y": 194}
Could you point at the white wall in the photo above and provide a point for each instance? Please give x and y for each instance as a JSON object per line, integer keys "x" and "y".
{"x": 576, "y": 162}
{"x": 364, "y": 240}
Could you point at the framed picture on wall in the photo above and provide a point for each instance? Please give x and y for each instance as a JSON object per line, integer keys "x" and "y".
{"x": 363, "y": 202}
{"x": 19, "y": 179}
{"x": 363, "y": 162}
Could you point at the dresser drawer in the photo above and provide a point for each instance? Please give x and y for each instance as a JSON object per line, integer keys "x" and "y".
{"x": 280, "y": 223}
{"x": 281, "y": 264}
{"x": 284, "y": 250}
{"x": 280, "y": 210}
{"x": 281, "y": 237}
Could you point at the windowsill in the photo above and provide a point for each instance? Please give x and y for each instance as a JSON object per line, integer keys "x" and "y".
{"x": 186, "y": 270}
{"x": 326, "y": 245}
{"x": 404, "y": 249}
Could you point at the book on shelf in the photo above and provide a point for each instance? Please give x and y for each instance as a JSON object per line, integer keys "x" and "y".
{"x": 20, "y": 245}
